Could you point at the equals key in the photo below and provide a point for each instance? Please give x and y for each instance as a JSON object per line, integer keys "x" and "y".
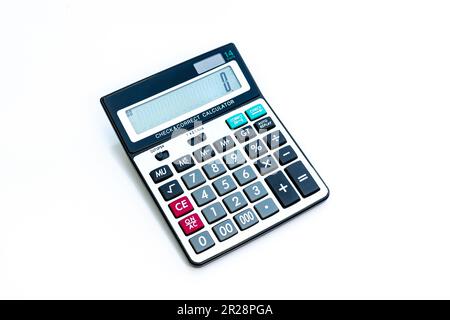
{"x": 301, "y": 178}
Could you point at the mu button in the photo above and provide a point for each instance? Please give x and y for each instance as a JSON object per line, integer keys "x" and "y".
{"x": 161, "y": 174}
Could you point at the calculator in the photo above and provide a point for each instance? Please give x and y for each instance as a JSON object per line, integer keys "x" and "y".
{"x": 215, "y": 157}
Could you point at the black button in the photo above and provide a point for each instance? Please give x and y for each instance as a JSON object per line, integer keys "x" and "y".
{"x": 302, "y": 179}
{"x": 266, "y": 164}
{"x": 255, "y": 149}
{"x": 265, "y": 124}
{"x": 275, "y": 139}
{"x": 170, "y": 190}
{"x": 161, "y": 174}
{"x": 282, "y": 189}
{"x": 197, "y": 139}
{"x": 183, "y": 163}
{"x": 204, "y": 153}
{"x": 162, "y": 155}
{"x": 224, "y": 144}
{"x": 285, "y": 155}
{"x": 245, "y": 134}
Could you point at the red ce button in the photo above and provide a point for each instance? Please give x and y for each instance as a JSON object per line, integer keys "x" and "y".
{"x": 181, "y": 206}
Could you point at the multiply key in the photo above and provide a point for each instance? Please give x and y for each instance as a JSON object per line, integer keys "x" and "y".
{"x": 265, "y": 165}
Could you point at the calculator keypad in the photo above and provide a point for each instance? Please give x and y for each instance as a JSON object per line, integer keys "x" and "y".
{"x": 234, "y": 186}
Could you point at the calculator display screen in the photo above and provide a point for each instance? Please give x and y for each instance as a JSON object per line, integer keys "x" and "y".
{"x": 183, "y": 99}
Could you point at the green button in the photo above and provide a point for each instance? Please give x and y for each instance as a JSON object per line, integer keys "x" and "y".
{"x": 236, "y": 121}
{"x": 255, "y": 112}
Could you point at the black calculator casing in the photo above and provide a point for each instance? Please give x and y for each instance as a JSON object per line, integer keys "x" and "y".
{"x": 165, "y": 80}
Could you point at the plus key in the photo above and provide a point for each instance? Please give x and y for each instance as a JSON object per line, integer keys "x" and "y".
{"x": 282, "y": 189}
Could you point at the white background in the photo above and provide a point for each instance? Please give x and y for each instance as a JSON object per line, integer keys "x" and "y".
{"x": 363, "y": 86}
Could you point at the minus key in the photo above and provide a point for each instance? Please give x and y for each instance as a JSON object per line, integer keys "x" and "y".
{"x": 285, "y": 155}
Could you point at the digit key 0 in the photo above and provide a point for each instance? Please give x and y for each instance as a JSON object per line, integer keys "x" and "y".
{"x": 213, "y": 153}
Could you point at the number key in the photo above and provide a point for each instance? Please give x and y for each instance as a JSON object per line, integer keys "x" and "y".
{"x": 244, "y": 175}
{"x": 214, "y": 212}
{"x": 214, "y": 169}
{"x": 193, "y": 179}
{"x": 246, "y": 219}
{"x": 255, "y": 192}
{"x": 234, "y": 159}
{"x": 203, "y": 195}
{"x": 201, "y": 242}
{"x": 224, "y": 185}
{"x": 225, "y": 230}
{"x": 235, "y": 201}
